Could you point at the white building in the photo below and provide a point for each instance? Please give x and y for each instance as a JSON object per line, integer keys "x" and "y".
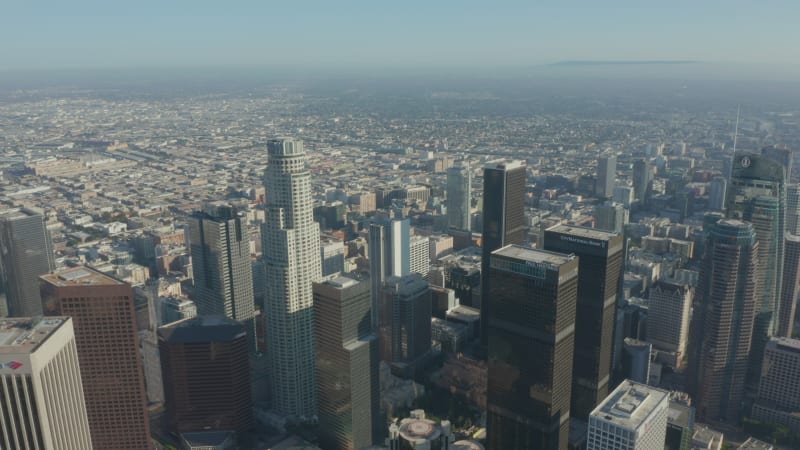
{"x": 291, "y": 249}
{"x": 419, "y": 256}
{"x": 632, "y": 417}
{"x": 40, "y": 382}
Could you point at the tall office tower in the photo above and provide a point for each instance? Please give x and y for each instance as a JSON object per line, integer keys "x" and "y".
{"x": 778, "y": 398}
{"x": 111, "y": 369}
{"x": 531, "y": 339}
{"x": 206, "y": 371}
{"x": 25, "y": 253}
{"x": 404, "y": 325}
{"x": 420, "y": 255}
{"x": 668, "y": 318}
{"x": 291, "y": 254}
{"x": 757, "y": 194}
{"x": 790, "y": 291}
{"x": 636, "y": 360}
{"x": 459, "y": 197}
{"x": 601, "y": 258}
{"x": 332, "y": 256}
{"x": 782, "y": 155}
{"x": 624, "y": 195}
{"x": 606, "y": 176}
{"x": 40, "y": 384}
{"x": 223, "y": 275}
{"x": 632, "y": 417}
{"x": 347, "y": 364}
{"x": 642, "y": 180}
{"x": 728, "y": 298}
{"x": 793, "y": 209}
{"x": 389, "y": 249}
{"x": 716, "y": 193}
{"x": 503, "y": 220}
{"x": 611, "y": 217}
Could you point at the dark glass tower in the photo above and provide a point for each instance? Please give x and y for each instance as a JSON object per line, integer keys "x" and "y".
{"x": 724, "y": 319}
{"x": 531, "y": 332}
{"x": 757, "y": 194}
{"x": 601, "y": 257}
{"x": 503, "y": 219}
{"x": 346, "y": 364}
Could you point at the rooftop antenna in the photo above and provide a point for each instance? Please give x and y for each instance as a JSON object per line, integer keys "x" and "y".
{"x": 735, "y": 136}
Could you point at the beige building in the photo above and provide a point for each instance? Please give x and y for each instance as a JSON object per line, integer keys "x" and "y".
{"x": 40, "y": 381}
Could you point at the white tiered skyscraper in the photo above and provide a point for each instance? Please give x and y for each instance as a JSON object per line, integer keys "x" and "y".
{"x": 291, "y": 249}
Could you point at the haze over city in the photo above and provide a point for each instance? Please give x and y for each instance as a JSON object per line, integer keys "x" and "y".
{"x": 555, "y": 225}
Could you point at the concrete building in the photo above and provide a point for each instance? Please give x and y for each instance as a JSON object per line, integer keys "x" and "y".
{"x": 606, "y": 176}
{"x": 716, "y": 193}
{"x": 459, "y": 197}
{"x": 206, "y": 372}
{"x": 632, "y": 417}
{"x": 680, "y": 422}
{"x": 636, "y": 360}
{"x": 332, "y": 256}
{"x": 624, "y": 195}
{"x": 668, "y": 318}
{"x": 778, "y": 399}
{"x": 389, "y": 249}
{"x": 25, "y": 253}
{"x": 790, "y": 291}
{"x": 440, "y": 245}
{"x": 40, "y": 384}
{"x": 419, "y": 255}
{"x": 504, "y": 185}
{"x": 347, "y": 364}
{"x": 420, "y": 433}
{"x": 223, "y": 276}
{"x": 642, "y": 180}
{"x": 600, "y": 258}
{"x": 290, "y": 241}
{"x": 724, "y": 321}
{"x": 793, "y": 209}
{"x": 531, "y": 331}
{"x": 610, "y": 217}
{"x": 102, "y": 310}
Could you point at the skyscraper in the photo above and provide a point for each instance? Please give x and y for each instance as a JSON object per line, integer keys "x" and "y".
{"x": 531, "y": 339}
{"x": 290, "y": 240}
{"x": 781, "y": 154}
{"x": 757, "y": 194}
{"x": 642, "y": 180}
{"x": 419, "y": 257}
{"x": 459, "y": 197}
{"x": 25, "y": 253}
{"x": 206, "y": 371}
{"x": 111, "y": 369}
{"x": 389, "y": 249}
{"x": 793, "y": 209}
{"x": 404, "y": 324}
{"x": 601, "y": 256}
{"x": 716, "y": 193}
{"x": 223, "y": 275}
{"x": 668, "y": 318}
{"x": 779, "y": 393}
{"x": 503, "y": 219}
{"x": 725, "y": 317}
{"x": 632, "y": 417}
{"x": 347, "y": 364}
{"x": 606, "y": 176}
{"x": 40, "y": 384}
{"x": 790, "y": 291}
{"x": 610, "y": 217}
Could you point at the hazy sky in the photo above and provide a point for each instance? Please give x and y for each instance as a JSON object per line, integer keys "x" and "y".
{"x": 391, "y": 33}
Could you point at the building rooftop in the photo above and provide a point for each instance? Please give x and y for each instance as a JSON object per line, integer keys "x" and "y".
{"x": 584, "y": 232}
{"x": 201, "y": 329}
{"x": 17, "y": 213}
{"x": 784, "y": 343}
{"x": 341, "y": 282}
{"x": 24, "y": 334}
{"x": 505, "y": 164}
{"x": 533, "y": 255}
{"x": 755, "y": 444}
{"x": 630, "y": 404}
{"x": 80, "y": 276}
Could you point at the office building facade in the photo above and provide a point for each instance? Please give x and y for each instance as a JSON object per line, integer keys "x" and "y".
{"x": 40, "y": 384}
{"x": 389, "y": 249}
{"x": 531, "y": 339}
{"x": 291, "y": 248}
{"x": 610, "y": 217}
{"x": 25, "y": 253}
{"x": 669, "y": 307}
{"x": 223, "y": 275}
{"x": 725, "y": 318}
{"x": 459, "y": 197}
{"x": 606, "y": 176}
{"x": 601, "y": 257}
{"x": 102, "y": 311}
{"x": 206, "y": 370}
{"x": 790, "y": 290}
{"x": 503, "y": 219}
{"x": 778, "y": 399}
{"x": 404, "y": 325}
{"x": 347, "y": 364}
{"x": 642, "y": 180}
{"x": 632, "y": 417}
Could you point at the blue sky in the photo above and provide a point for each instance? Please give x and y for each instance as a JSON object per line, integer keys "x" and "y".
{"x": 119, "y": 33}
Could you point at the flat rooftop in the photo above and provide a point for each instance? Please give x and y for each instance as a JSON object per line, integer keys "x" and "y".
{"x": 533, "y": 255}
{"x": 80, "y": 276}
{"x": 584, "y": 232}
{"x": 24, "y": 334}
{"x": 505, "y": 164}
{"x": 201, "y": 329}
{"x": 16, "y": 213}
{"x": 784, "y": 343}
{"x": 630, "y": 404}
{"x": 755, "y": 444}
{"x": 341, "y": 282}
